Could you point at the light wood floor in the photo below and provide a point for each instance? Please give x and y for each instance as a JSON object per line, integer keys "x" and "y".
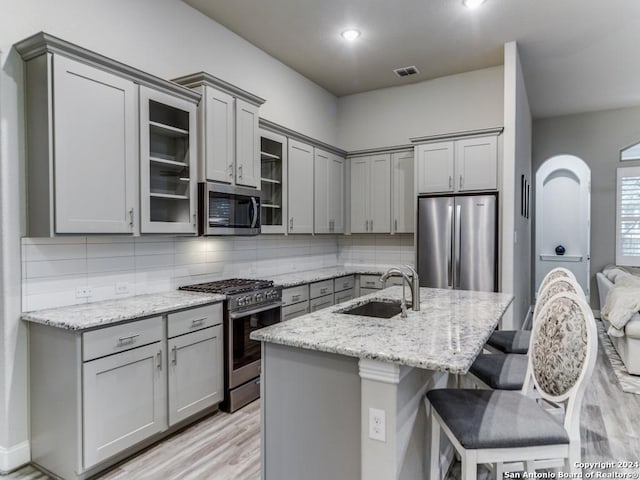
{"x": 227, "y": 446}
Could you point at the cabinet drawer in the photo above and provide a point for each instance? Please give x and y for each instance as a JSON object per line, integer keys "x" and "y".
{"x": 365, "y": 291}
{"x": 320, "y": 303}
{"x": 343, "y": 283}
{"x": 393, "y": 281}
{"x": 344, "y": 296}
{"x": 194, "y": 319}
{"x": 370, "y": 281}
{"x": 295, "y": 294}
{"x": 320, "y": 289}
{"x": 99, "y": 343}
{"x": 293, "y": 311}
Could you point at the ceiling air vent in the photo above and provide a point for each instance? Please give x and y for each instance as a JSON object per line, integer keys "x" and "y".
{"x": 406, "y": 71}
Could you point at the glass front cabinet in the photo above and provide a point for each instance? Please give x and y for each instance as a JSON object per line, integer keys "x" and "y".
{"x": 273, "y": 160}
{"x": 168, "y": 188}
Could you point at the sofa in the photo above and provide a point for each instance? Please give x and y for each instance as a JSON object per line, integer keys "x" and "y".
{"x": 628, "y": 344}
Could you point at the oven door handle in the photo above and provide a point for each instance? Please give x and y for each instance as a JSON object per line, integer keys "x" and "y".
{"x": 271, "y": 306}
{"x": 255, "y": 212}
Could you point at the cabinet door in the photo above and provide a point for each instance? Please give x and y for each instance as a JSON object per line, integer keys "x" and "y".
{"x": 247, "y": 145}
{"x": 336, "y": 193}
{"x": 321, "y": 188}
{"x": 95, "y": 149}
{"x": 380, "y": 214}
{"x": 168, "y": 156}
{"x": 435, "y": 167}
{"x": 477, "y": 164}
{"x": 300, "y": 205}
{"x": 219, "y": 153}
{"x": 360, "y": 194}
{"x": 124, "y": 399}
{"x": 195, "y": 372}
{"x": 273, "y": 156}
{"x": 404, "y": 197}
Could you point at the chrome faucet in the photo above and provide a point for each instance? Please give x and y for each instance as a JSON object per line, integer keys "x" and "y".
{"x": 414, "y": 286}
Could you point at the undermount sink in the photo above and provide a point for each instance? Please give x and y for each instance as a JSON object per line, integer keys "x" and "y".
{"x": 376, "y": 308}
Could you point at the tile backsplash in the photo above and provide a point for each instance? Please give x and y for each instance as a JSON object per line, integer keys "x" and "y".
{"x": 53, "y": 269}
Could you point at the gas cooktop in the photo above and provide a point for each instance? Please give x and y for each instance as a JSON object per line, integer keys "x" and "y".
{"x": 230, "y": 286}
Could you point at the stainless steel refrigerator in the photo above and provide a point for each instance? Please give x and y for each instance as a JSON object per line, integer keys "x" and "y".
{"x": 457, "y": 244}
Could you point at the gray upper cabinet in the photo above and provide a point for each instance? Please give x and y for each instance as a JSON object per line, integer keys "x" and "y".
{"x": 83, "y": 139}
{"x": 371, "y": 194}
{"x": 300, "y": 187}
{"x": 328, "y": 170}
{"x": 403, "y": 197}
{"x": 167, "y": 163}
{"x": 229, "y": 146}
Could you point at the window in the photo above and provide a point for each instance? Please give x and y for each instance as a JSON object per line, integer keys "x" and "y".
{"x": 631, "y": 153}
{"x": 628, "y": 217}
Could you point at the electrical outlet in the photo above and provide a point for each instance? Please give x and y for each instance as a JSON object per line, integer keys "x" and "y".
{"x": 122, "y": 288}
{"x": 377, "y": 425}
{"x": 83, "y": 292}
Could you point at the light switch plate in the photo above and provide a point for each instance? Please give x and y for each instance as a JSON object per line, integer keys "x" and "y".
{"x": 377, "y": 425}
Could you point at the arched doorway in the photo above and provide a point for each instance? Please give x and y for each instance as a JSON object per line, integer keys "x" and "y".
{"x": 563, "y": 218}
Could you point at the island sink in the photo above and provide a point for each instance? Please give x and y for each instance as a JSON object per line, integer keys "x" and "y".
{"x": 376, "y": 308}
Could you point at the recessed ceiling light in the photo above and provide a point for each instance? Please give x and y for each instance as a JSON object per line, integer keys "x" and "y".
{"x": 350, "y": 34}
{"x": 472, "y": 3}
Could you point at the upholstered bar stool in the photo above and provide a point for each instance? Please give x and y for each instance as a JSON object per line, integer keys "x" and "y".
{"x": 517, "y": 341}
{"x": 508, "y": 371}
{"x": 495, "y": 426}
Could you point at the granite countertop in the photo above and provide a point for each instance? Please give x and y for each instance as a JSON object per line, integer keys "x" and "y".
{"x": 447, "y": 333}
{"x": 99, "y": 314}
{"x": 294, "y": 279}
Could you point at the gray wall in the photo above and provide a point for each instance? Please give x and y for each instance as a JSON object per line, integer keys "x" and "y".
{"x": 597, "y": 138}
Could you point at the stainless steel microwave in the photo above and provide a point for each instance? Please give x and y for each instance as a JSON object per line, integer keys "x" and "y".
{"x": 228, "y": 209}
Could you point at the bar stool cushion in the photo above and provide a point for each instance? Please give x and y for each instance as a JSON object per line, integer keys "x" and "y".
{"x": 510, "y": 341}
{"x": 501, "y": 371}
{"x": 496, "y": 419}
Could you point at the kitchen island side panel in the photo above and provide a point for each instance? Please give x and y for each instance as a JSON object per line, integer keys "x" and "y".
{"x": 311, "y": 405}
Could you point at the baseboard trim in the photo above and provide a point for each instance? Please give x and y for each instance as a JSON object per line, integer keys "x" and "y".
{"x": 14, "y": 457}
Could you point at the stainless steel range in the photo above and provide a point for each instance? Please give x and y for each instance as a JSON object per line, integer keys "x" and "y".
{"x": 250, "y": 305}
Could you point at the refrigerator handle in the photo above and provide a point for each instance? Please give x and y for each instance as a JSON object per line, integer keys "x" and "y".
{"x": 450, "y": 249}
{"x": 457, "y": 242}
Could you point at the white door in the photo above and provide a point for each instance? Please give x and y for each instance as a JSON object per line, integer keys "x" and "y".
{"x": 124, "y": 399}
{"x": 404, "y": 197}
{"x": 435, "y": 167}
{"x": 218, "y": 135}
{"x": 380, "y": 214}
{"x": 247, "y": 144}
{"x": 336, "y": 193}
{"x": 360, "y": 194}
{"x": 195, "y": 372}
{"x": 300, "y": 205}
{"x": 95, "y": 149}
{"x": 321, "y": 162}
{"x": 476, "y": 164}
{"x": 563, "y": 217}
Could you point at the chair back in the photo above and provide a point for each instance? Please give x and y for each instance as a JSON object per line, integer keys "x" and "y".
{"x": 558, "y": 272}
{"x": 553, "y": 287}
{"x": 563, "y": 351}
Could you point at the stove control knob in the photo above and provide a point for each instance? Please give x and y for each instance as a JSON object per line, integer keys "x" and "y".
{"x": 240, "y": 301}
{"x": 260, "y": 297}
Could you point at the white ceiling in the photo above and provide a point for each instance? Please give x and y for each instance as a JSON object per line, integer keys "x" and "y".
{"x": 577, "y": 55}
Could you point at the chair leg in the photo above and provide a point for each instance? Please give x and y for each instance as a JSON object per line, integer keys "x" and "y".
{"x": 469, "y": 465}
{"x": 434, "y": 454}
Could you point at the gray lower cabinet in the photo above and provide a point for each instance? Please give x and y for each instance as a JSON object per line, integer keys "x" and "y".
{"x": 194, "y": 386}
{"x": 295, "y": 302}
{"x": 123, "y": 399}
{"x": 99, "y": 395}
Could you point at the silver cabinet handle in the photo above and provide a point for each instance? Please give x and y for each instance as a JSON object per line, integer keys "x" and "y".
{"x": 159, "y": 359}
{"x": 195, "y": 217}
{"x": 128, "y": 340}
{"x": 174, "y": 350}
{"x": 131, "y": 217}
{"x": 240, "y": 170}
{"x": 395, "y": 225}
{"x": 450, "y": 181}
{"x": 323, "y": 291}
{"x": 231, "y": 169}
{"x": 295, "y": 298}
{"x": 460, "y": 181}
{"x": 371, "y": 225}
{"x": 197, "y": 322}
{"x": 368, "y": 282}
{"x": 291, "y": 223}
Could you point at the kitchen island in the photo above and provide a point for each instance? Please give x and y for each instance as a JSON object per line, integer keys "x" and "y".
{"x": 325, "y": 374}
